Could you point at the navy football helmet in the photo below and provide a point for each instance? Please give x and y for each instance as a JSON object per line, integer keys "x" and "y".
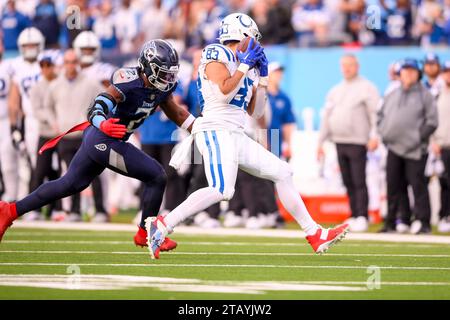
{"x": 159, "y": 61}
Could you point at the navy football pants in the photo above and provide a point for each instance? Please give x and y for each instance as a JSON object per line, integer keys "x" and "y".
{"x": 97, "y": 152}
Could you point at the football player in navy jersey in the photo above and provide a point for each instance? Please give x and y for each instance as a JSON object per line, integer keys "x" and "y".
{"x": 134, "y": 94}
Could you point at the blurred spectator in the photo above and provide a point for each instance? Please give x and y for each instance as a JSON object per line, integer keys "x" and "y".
{"x": 236, "y": 6}
{"x": 26, "y": 7}
{"x": 404, "y": 206}
{"x": 279, "y": 116}
{"x": 211, "y": 16}
{"x": 310, "y": 21}
{"x": 394, "y": 77}
{"x": 104, "y": 27}
{"x": 259, "y": 12}
{"x": 25, "y": 72}
{"x": 46, "y": 20}
{"x": 76, "y": 20}
{"x": 193, "y": 14}
{"x": 127, "y": 28}
{"x": 355, "y": 25}
{"x": 406, "y": 120}
{"x": 274, "y": 21}
{"x": 45, "y": 163}
{"x": 436, "y": 84}
{"x": 432, "y": 69}
{"x": 68, "y": 97}
{"x": 154, "y": 22}
{"x": 87, "y": 48}
{"x": 350, "y": 121}
{"x": 430, "y": 24}
{"x": 13, "y": 22}
{"x": 338, "y": 22}
{"x": 8, "y": 154}
{"x": 399, "y": 22}
{"x": 441, "y": 145}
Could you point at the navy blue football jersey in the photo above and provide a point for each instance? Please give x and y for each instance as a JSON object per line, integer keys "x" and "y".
{"x": 138, "y": 102}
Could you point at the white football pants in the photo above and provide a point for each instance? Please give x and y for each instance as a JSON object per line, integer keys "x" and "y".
{"x": 223, "y": 153}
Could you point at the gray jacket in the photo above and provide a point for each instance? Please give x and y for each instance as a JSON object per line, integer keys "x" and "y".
{"x": 406, "y": 120}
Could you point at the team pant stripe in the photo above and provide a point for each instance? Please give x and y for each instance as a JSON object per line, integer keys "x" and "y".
{"x": 219, "y": 162}
{"x": 211, "y": 166}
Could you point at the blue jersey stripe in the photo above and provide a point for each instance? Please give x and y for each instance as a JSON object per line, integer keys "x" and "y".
{"x": 219, "y": 162}
{"x": 201, "y": 100}
{"x": 211, "y": 166}
{"x": 231, "y": 53}
{"x": 224, "y": 50}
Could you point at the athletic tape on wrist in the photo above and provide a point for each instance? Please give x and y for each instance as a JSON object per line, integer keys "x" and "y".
{"x": 190, "y": 120}
{"x": 243, "y": 68}
{"x": 264, "y": 81}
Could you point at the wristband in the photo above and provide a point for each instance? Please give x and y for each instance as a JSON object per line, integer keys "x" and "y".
{"x": 189, "y": 120}
{"x": 243, "y": 68}
{"x": 264, "y": 81}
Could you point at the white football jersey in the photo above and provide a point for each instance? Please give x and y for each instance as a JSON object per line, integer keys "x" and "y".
{"x": 223, "y": 111}
{"x": 4, "y": 89}
{"x": 25, "y": 74}
{"x": 100, "y": 71}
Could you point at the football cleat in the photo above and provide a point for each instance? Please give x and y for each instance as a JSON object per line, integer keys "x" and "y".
{"x": 140, "y": 239}
{"x": 323, "y": 239}
{"x": 8, "y": 214}
{"x": 157, "y": 232}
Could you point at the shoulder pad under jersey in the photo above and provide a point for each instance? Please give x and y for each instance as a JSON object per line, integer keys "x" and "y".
{"x": 219, "y": 53}
{"x": 124, "y": 75}
{"x": 126, "y": 79}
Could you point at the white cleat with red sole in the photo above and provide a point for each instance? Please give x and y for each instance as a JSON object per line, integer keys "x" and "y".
{"x": 323, "y": 239}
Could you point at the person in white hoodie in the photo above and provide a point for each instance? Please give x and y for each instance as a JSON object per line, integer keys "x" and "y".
{"x": 350, "y": 122}
{"x": 440, "y": 141}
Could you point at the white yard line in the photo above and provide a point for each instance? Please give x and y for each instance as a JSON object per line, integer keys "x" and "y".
{"x": 150, "y": 264}
{"x": 123, "y": 282}
{"x": 120, "y": 282}
{"x": 216, "y": 243}
{"x": 228, "y": 253}
{"x": 230, "y": 232}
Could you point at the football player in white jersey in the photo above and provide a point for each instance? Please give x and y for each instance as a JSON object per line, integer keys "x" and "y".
{"x": 8, "y": 155}
{"x": 25, "y": 72}
{"x": 232, "y": 83}
{"x": 87, "y": 47}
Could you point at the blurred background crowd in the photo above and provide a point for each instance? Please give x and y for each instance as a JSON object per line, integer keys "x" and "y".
{"x": 51, "y": 72}
{"x": 122, "y": 25}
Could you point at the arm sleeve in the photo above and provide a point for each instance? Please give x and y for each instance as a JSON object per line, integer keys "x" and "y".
{"x": 125, "y": 80}
{"x": 260, "y": 103}
{"x": 99, "y": 109}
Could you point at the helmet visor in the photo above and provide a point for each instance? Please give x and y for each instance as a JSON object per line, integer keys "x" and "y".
{"x": 162, "y": 77}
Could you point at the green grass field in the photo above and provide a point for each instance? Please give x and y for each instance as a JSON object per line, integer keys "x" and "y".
{"x": 65, "y": 264}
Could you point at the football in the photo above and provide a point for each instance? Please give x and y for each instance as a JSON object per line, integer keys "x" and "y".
{"x": 243, "y": 45}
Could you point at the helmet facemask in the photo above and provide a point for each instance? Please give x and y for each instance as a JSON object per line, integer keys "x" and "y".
{"x": 30, "y": 51}
{"x": 161, "y": 77}
{"x": 87, "y": 55}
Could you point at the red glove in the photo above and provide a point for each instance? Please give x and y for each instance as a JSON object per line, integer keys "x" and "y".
{"x": 110, "y": 128}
